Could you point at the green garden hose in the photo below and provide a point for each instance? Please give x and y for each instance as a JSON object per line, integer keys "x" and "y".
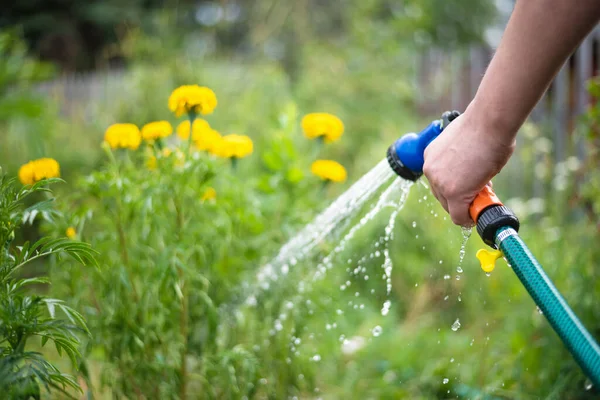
{"x": 554, "y": 307}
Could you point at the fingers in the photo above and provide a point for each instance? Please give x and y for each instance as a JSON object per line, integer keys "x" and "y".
{"x": 459, "y": 213}
{"x": 439, "y": 198}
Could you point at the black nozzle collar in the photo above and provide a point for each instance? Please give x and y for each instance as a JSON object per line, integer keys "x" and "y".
{"x": 400, "y": 168}
{"x": 492, "y": 219}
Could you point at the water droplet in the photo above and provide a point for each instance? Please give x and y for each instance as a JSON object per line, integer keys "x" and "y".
{"x": 452, "y": 360}
{"x": 366, "y": 277}
{"x": 488, "y": 274}
{"x": 458, "y": 277}
{"x": 441, "y": 262}
{"x": 588, "y": 384}
{"x": 456, "y": 325}
{"x": 377, "y": 331}
{"x": 414, "y": 224}
{"x": 445, "y": 381}
{"x": 539, "y": 310}
{"x": 356, "y": 294}
{"x": 278, "y": 325}
{"x": 377, "y": 253}
{"x": 459, "y": 269}
{"x": 416, "y": 284}
{"x": 386, "y": 308}
{"x": 328, "y": 327}
{"x": 316, "y": 358}
{"x": 446, "y": 277}
{"x": 339, "y": 312}
{"x": 446, "y": 298}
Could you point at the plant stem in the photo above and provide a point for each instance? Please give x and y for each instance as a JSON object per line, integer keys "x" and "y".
{"x": 183, "y": 328}
{"x": 121, "y": 230}
{"x": 192, "y": 117}
{"x": 183, "y": 317}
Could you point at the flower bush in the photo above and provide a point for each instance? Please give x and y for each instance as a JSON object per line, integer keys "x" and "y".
{"x": 179, "y": 234}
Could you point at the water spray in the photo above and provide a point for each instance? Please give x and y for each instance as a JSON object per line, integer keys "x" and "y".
{"x": 498, "y": 226}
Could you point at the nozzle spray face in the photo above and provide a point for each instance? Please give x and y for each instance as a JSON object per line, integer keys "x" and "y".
{"x": 405, "y": 155}
{"x": 398, "y": 167}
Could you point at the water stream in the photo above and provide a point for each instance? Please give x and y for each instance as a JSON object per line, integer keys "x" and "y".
{"x": 286, "y": 284}
{"x": 327, "y": 222}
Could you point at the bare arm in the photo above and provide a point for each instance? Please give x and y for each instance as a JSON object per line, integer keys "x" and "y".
{"x": 540, "y": 36}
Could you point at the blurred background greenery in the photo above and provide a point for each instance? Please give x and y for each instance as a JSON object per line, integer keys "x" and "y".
{"x": 69, "y": 69}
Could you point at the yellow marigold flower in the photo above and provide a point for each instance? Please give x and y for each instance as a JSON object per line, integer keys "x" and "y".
{"x": 237, "y": 146}
{"x": 36, "y": 170}
{"x": 200, "y": 126}
{"x": 156, "y": 130}
{"x": 329, "y": 170}
{"x": 71, "y": 233}
{"x": 194, "y": 98}
{"x": 123, "y": 136}
{"x": 209, "y": 194}
{"x": 324, "y": 125}
{"x": 208, "y": 140}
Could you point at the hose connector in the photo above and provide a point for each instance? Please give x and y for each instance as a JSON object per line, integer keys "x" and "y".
{"x": 488, "y": 212}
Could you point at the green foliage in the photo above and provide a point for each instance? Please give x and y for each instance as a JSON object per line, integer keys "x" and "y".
{"x": 18, "y": 72}
{"x": 25, "y": 316}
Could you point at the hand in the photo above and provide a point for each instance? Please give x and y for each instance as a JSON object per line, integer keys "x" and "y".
{"x": 462, "y": 160}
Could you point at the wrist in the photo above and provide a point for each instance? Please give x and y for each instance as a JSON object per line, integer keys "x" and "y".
{"x": 492, "y": 125}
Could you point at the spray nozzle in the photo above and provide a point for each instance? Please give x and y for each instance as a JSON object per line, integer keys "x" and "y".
{"x": 406, "y": 154}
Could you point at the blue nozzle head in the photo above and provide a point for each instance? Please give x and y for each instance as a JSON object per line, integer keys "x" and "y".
{"x": 405, "y": 155}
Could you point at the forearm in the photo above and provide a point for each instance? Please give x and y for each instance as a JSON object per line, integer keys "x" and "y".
{"x": 540, "y": 36}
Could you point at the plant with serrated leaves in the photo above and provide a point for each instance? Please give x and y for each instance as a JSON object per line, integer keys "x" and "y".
{"x": 28, "y": 320}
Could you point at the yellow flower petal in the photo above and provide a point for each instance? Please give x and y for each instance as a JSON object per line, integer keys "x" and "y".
{"x": 36, "y": 170}
{"x": 156, "y": 130}
{"x": 71, "y": 233}
{"x": 200, "y": 126}
{"x": 209, "y": 194}
{"x": 194, "y": 98}
{"x": 238, "y": 146}
{"x": 323, "y": 125}
{"x": 329, "y": 170}
{"x": 207, "y": 140}
{"x": 123, "y": 136}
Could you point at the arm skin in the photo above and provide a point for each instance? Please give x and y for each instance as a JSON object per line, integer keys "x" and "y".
{"x": 538, "y": 39}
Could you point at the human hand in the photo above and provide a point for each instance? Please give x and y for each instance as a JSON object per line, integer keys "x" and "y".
{"x": 462, "y": 160}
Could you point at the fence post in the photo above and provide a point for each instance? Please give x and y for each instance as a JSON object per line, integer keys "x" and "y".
{"x": 560, "y": 108}
{"x": 584, "y": 72}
